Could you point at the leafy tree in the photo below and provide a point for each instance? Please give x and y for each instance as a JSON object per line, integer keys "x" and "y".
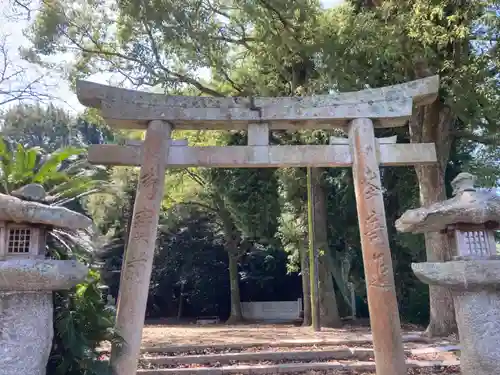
{"x": 189, "y": 273}
{"x": 292, "y": 232}
{"x": 38, "y": 126}
{"x": 51, "y": 128}
{"x": 216, "y": 193}
{"x": 112, "y": 214}
{"x": 381, "y": 43}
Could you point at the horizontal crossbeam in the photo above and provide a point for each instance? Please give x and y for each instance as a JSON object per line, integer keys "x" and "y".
{"x": 345, "y": 141}
{"x": 387, "y": 106}
{"x": 264, "y": 156}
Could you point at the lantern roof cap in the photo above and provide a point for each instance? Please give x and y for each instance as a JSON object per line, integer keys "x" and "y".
{"x": 30, "y": 192}
{"x": 25, "y": 206}
{"x": 469, "y": 205}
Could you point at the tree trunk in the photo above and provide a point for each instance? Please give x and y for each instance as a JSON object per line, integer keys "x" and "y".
{"x": 234, "y": 253}
{"x": 433, "y": 123}
{"x": 180, "y": 308}
{"x": 306, "y": 286}
{"x": 236, "y": 315}
{"x": 437, "y": 247}
{"x": 329, "y": 313}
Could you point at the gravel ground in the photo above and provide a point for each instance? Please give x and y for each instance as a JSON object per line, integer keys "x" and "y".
{"x": 452, "y": 370}
{"x": 156, "y": 335}
{"x": 447, "y": 371}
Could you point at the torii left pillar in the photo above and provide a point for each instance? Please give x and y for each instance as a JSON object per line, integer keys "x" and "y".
{"x": 133, "y": 295}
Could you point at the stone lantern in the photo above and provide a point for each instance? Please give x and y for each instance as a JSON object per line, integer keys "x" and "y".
{"x": 27, "y": 278}
{"x": 473, "y": 275}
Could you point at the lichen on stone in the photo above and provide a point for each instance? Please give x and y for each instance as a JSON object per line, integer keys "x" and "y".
{"x": 14, "y": 209}
{"x": 469, "y": 205}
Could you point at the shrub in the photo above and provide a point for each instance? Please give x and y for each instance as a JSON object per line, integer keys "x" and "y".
{"x": 82, "y": 320}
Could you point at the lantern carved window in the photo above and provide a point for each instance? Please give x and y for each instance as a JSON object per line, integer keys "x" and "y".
{"x": 474, "y": 241}
{"x": 21, "y": 241}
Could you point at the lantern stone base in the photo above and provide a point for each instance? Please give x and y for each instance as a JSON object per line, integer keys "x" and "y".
{"x": 40, "y": 275}
{"x": 475, "y": 285}
{"x": 26, "y": 332}
{"x": 26, "y": 310}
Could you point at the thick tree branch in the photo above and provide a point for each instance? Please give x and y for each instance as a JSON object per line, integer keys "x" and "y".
{"x": 196, "y": 178}
{"x": 276, "y": 12}
{"x": 99, "y": 51}
{"x": 179, "y": 76}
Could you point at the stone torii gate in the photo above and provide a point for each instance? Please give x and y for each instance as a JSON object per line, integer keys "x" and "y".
{"x": 356, "y": 112}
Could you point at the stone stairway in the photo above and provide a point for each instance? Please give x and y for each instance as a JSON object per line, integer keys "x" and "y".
{"x": 342, "y": 357}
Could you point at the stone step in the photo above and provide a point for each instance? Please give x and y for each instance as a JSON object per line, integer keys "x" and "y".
{"x": 261, "y": 356}
{"x": 443, "y": 367}
{"x": 169, "y": 348}
{"x": 310, "y": 354}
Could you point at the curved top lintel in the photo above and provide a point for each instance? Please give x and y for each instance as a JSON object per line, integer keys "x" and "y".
{"x": 388, "y": 106}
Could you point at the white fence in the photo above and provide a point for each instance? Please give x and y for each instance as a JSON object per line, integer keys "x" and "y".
{"x": 276, "y": 311}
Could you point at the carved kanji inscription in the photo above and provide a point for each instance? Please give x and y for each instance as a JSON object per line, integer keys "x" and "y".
{"x": 142, "y": 221}
{"x": 368, "y": 150}
{"x": 373, "y": 228}
{"x": 149, "y": 181}
{"x": 380, "y": 271}
{"x": 135, "y": 268}
{"x": 370, "y": 188}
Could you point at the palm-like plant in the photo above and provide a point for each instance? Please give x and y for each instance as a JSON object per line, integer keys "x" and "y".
{"x": 66, "y": 176}
{"x": 81, "y": 319}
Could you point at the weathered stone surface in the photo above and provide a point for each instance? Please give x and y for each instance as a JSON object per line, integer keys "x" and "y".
{"x": 475, "y": 286}
{"x": 136, "y": 271}
{"x": 16, "y": 210}
{"x": 467, "y": 206}
{"x": 460, "y": 275}
{"x": 384, "y": 322}
{"x": 277, "y": 115}
{"x": 34, "y": 192}
{"x": 134, "y": 109}
{"x": 379, "y": 141}
{"x": 478, "y": 318}
{"x": 474, "y": 280}
{"x": 264, "y": 156}
{"x": 26, "y": 332}
{"x": 463, "y": 182}
{"x": 40, "y": 274}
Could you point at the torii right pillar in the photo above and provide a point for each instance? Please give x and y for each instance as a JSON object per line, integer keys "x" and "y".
{"x": 381, "y": 291}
